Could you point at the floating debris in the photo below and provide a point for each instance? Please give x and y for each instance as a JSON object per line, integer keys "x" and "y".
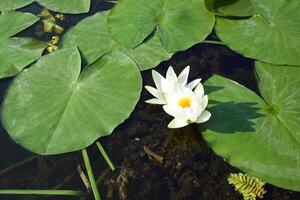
{"x": 122, "y": 182}
{"x": 250, "y": 187}
{"x": 152, "y": 155}
{"x": 52, "y": 45}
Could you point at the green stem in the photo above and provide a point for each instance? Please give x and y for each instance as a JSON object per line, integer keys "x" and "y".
{"x": 43, "y": 192}
{"x": 90, "y": 174}
{"x": 104, "y": 154}
{"x": 213, "y": 42}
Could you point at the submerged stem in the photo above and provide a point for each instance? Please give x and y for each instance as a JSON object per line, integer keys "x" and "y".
{"x": 43, "y": 192}
{"x": 213, "y": 42}
{"x": 21, "y": 163}
{"x": 90, "y": 174}
{"x": 104, "y": 154}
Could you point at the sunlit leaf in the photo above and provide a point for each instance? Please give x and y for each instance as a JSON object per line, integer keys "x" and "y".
{"x": 17, "y": 53}
{"x": 239, "y": 8}
{"x": 271, "y": 35}
{"x": 259, "y": 136}
{"x": 12, "y": 23}
{"x": 66, "y": 6}
{"x": 178, "y": 23}
{"x": 70, "y": 109}
{"x": 93, "y": 39}
{"x": 13, "y": 4}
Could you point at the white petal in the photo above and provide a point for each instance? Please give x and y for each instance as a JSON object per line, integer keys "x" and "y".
{"x": 199, "y": 91}
{"x": 204, "y": 102}
{"x": 183, "y": 76}
{"x": 156, "y": 101}
{"x": 157, "y": 77}
{"x": 171, "y": 110}
{"x": 177, "y": 123}
{"x": 193, "y": 84}
{"x": 171, "y": 75}
{"x": 205, "y": 115}
{"x": 154, "y": 92}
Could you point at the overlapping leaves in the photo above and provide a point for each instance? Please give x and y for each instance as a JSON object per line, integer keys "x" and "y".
{"x": 258, "y": 135}
{"x": 64, "y": 6}
{"x": 178, "y": 24}
{"x": 94, "y": 40}
{"x": 17, "y": 53}
{"x": 270, "y": 35}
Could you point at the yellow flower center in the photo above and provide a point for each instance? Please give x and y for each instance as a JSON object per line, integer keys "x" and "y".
{"x": 185, "y": 102}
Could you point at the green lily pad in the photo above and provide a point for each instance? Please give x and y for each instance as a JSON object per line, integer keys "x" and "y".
{"x": 179, "y": 24}
{"x": 13, "y": 4}
{"x": 17, "y": 53}
{"x": 259, "y": 136}
{"x": 271, "y": 35}
{"x": 67, "y": 6}
{"x": 239, "y": 8}
{"x": 93, "y": 39}
{"x": 12, "y": 23}
{"x": 54, "y": 108}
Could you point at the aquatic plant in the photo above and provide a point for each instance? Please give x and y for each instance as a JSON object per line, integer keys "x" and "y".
{"x": 49, "y": 22}
{"x": 52, "y": 45}
{"x": 250, "y": 187}
{"x": 179, "y": 99}
{"x": 258, "y": 134}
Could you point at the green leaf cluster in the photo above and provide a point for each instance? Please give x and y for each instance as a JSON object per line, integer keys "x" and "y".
{"x": 16, "y": 53}
{"x": 72, "y": 106}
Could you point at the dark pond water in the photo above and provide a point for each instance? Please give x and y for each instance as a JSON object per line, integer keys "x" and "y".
{"x": 190, "y": 170}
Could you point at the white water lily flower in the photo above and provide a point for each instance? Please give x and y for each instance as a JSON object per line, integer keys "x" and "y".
{"x": 187, "y": 106}
{"x": 167, "y": 85}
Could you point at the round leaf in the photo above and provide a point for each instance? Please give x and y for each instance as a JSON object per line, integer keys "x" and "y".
{"x": 12, "y": 23}
{"x": 93, "y": 39}
{"x": 271, "y": 35}
{"x": 54, "y": 108}
{"x": 66, "y": 6}
{"x": 179, "y": 25}
{"x": 17, "y": 53}
{"x": 13, "y": 4}
{"x": 259, "y": 136}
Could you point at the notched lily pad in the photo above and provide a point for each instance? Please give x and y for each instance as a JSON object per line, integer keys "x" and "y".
{"x": 53, "y": 107}
{"x": 259, "y": 136}
{"x": 271, "y": 35}
{"x": 178, "y": 23}
{"x": 93, "y": 39}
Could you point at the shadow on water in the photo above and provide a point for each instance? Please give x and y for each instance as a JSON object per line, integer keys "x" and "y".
{"x": 190, "y": 170}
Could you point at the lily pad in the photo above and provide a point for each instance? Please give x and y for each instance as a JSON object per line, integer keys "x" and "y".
{"x": 13, "y": 4}
{"x": 17, "y": 53}
{"x": 66, "y": 6}
{"x": 179, "y": 24}
{"x": 271, "y": 35}
{"x": 259, "y": 136}
{"x": 70, "y": 109}
{"x": 239, "y": 8}
{"x": 93, "y": 39}
{"x": 12, "y": 23}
